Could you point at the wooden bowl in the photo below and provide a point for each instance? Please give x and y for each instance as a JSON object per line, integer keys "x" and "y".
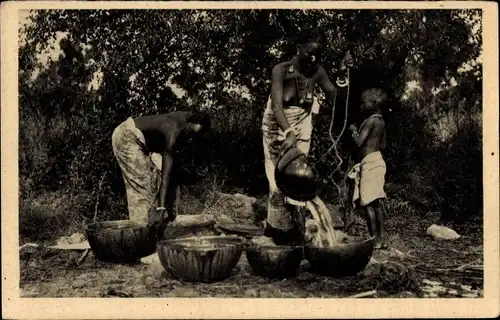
{"x": 343, "y": 260}
{"x": 275, "y": 262}
{"x": 201, "y": 259}
{"x": 121, "y": 240}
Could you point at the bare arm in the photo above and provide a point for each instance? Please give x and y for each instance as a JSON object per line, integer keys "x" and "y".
{"x": 157, "y": 215}
{"x": 326, "y": 85}
{"x": 167, "y": 163}
{"x": 359, "y": 138}
{"x": 277, "y": 97}
{"x": 341, "y": 78}
{"x": 331, "y": 89}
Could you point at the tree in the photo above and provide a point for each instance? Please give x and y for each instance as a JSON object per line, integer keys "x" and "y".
{"x": 214, "y": 56}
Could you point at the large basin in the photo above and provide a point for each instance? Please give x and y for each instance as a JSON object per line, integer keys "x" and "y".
{"x": 201, "y": 259}
{"x": 120, "y": 240}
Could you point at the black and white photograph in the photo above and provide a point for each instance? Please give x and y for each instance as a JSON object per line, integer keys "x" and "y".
{"x": 253, "y": 152}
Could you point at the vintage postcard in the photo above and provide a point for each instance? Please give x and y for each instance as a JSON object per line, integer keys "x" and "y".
{"x": 274, "y": 159}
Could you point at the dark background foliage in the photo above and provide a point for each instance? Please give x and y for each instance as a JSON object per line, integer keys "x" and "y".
{"x": 65, "y": 127}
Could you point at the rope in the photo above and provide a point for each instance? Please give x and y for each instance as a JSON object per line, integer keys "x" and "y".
{"x": 336, "y": 141}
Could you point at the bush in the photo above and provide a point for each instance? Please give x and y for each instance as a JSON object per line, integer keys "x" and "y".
{"x": 48, "y": 215}
{"x": 65, "y": 129}
{"x": 458, "y": 176}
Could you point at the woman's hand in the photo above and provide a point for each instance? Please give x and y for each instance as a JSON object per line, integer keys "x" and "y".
{"x": 353, "y": 128}
{"x": 290, "y": 141}
{"x": 170, "y": 217}
{"x": 156, "y": 218}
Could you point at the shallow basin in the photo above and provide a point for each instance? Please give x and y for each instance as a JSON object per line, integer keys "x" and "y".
{"x": 120, "y": 240}
{"x": 201, "y": 259}
{"x": 343, "y": 260}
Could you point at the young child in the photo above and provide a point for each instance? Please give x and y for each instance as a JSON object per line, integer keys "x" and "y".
{"x": 369, "y": 172}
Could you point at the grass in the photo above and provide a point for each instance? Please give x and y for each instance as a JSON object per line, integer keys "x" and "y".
{"x": 51, "y": 273}
{"x": 47, "y": 215}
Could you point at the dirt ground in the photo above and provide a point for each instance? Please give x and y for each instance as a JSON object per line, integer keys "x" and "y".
{"x": 414, "y": 266}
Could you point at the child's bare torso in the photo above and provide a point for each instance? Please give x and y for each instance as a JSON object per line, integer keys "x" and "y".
{"x": 376, "y": 138}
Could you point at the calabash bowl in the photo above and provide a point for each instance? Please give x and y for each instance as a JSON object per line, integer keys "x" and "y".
{"x": 275, "y": 262}
{"x": 294, "y": 177}
{"x": 120, "y": 240}
{"x": 201, "y": 259}
{"x": 346, "y": 259}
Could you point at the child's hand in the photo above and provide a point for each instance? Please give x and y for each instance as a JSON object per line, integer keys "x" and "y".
{"x": 353, "y": 128}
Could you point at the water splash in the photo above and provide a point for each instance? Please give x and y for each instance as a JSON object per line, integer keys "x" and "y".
{"x": 326, "y": 233}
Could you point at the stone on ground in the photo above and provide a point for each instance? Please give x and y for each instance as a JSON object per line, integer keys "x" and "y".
{"x": 442, "y": 233}
{"x": 193, "y": 220}
{"x": 73, "y": 239}
{"x": 235, "y": 208}
{"x": 76, "y": 241}
{"x": 191, "y": 226}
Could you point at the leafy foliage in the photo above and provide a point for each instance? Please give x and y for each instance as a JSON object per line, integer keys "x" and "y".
{"x": 222, "y": 60}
